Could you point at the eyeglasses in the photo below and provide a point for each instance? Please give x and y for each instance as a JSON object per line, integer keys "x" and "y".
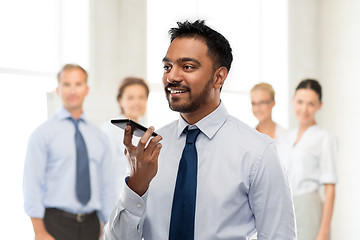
{"x": 261, "y": 103}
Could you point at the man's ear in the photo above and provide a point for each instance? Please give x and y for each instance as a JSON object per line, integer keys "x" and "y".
{"x": 219, "y": 77}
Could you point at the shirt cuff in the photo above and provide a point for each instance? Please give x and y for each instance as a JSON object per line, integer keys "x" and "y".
{"x": 328, "y": 179}
{"x": 132, "y": 202}
{"x": 35, "y": 212}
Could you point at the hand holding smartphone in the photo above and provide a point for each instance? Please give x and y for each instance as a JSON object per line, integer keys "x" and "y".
{"x": 143, "y": 158}
{"x": 136, "y": 128}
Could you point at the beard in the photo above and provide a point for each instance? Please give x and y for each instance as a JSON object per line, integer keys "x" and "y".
{"x": 193, "y": 103}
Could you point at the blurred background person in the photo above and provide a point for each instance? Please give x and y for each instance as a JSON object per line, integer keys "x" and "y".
{"x": 309, "y": 154}
{"x": 132, "y": 98}
{"x": 68, "y": 176}
{"x": 262, "y": 101}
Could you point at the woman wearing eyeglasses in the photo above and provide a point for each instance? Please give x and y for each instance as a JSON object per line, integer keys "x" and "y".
{"x": 309, "y": 155}
{"x": 262, "y": 101}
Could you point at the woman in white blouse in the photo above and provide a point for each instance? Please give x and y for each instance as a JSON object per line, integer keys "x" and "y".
{"x": 262, "y": 101}
{"x": 309, "y": 154}
{"x": 132, "y": 99}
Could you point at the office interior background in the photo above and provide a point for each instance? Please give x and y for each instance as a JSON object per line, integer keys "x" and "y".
{"x": 276, "y": 41}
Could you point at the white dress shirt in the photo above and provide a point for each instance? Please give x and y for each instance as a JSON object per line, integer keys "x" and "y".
{"x": 311, "y": 162}
{"x": 242, "y": 186}
{"x": 278, "y": 132}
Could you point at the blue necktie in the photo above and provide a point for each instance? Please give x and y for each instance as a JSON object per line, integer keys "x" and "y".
{"x": 83, "y": 190}
{"x": 184, "y": 201}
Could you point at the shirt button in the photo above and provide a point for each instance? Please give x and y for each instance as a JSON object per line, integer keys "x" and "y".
{"x": 138, "y": 205}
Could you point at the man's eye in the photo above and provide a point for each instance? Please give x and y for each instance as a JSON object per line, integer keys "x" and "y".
{"x": 167, "y": 68}
{"x": 187, "y": 67}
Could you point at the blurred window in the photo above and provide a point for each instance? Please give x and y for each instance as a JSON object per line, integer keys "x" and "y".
{"x": 37, "y": 37}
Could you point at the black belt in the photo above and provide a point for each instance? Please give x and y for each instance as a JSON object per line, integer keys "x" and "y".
{"x": 80, "y": 217}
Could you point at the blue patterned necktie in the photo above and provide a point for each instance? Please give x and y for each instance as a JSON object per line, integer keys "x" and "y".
{"x": 83, "y": 190}
{"x": 184, "y": 201}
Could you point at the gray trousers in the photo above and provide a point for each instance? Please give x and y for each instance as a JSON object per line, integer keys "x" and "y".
{"x": 308, "y": 212}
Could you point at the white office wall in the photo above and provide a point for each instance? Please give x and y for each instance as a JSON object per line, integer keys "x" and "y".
{"x": 339, "y": 70}
{"x": 304, "y": 43}
{"x": 117, "y": 50}
{"x": 324, "y": 44}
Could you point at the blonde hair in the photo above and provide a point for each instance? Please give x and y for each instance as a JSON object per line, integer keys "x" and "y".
{"x": 69, "y": 67}
{"x": 266, "y": 87}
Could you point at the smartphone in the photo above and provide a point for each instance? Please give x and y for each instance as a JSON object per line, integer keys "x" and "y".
{"x": 136, "y": 128}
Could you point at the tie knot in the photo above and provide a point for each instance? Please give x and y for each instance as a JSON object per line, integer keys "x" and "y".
{"x": 191, "y": 134}
{"x": 74, "y": 121}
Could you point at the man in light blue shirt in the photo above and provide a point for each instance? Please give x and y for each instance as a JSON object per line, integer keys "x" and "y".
{"x": 241, "y": 187}
{"x": 50, "y": 195}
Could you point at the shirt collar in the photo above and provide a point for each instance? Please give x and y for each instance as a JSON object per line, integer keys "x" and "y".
{"x": 63, "y": 114}
{"x": 210, "y": 124}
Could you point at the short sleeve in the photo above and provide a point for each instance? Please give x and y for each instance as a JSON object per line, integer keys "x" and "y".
{"x": 327, "y": 164}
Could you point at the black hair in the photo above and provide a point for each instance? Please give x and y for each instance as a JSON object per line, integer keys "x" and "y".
{"x": 310, "y": 84}
{"x": 218, "y": 46}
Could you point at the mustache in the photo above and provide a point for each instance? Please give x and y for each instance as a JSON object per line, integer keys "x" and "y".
{"x": 176, "y": 85}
